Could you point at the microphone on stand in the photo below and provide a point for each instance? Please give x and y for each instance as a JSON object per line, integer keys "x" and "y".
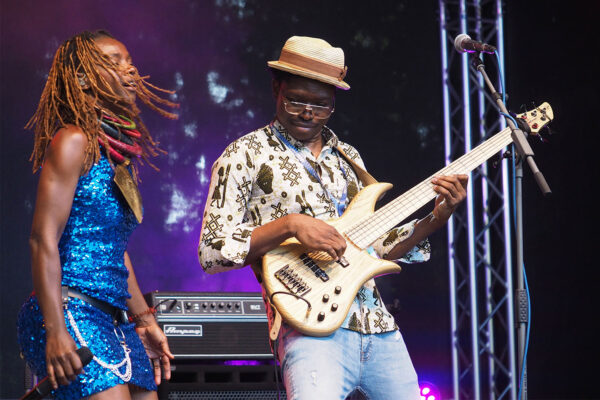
{"x": 464, "y": 44}
{"x": 44, "y": 388}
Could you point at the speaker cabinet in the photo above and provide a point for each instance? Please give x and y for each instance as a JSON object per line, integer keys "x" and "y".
{"x": 191, "y": 380}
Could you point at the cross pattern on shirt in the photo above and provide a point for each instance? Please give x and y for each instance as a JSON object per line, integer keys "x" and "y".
{"x": 253, "y": 144}
{"x": 379, "y": 321}
{"x": 291, "y": 174}
{"x": 279, "y": 212}
{"x": 212, "y": 227}
{"x": 231, "y": 149}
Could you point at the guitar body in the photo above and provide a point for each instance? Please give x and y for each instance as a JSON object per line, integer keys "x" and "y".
{"x": 294, "y": 278}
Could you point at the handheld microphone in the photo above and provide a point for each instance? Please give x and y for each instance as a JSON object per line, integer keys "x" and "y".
{"x": 464, "y": 44}
{"x": 44, "y": 387}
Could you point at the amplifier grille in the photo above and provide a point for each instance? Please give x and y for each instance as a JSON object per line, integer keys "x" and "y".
{"x": 229, "y": 395}
{"x": 242, "y": 339}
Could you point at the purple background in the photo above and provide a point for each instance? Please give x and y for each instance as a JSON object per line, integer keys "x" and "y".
{"x": 214, "y": 54}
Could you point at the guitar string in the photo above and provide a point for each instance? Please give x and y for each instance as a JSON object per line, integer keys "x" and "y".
{"x": 369, "y": 229}
{"x": 415, "y": 196}
{"x": 421, "y": 194}
{"x": 305, "y": 272}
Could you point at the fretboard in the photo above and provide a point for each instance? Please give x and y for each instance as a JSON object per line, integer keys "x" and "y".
{"x": 367, "y": 230}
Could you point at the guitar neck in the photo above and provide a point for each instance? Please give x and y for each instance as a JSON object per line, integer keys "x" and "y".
{"x": 367, "y": 230}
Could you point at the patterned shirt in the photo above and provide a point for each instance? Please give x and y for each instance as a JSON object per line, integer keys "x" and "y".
{"x": 258, "y": 179}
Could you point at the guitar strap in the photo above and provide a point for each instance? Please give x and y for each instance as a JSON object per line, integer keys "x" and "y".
{"x": 276, "y": 325}
{"x": 362, "y": 174}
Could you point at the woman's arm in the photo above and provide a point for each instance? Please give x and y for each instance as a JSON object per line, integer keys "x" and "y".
{"x": 153, "y": 338}
{"x": 60, "y": 173}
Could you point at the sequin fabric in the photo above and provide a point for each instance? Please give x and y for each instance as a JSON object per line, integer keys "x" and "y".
{"x": 91, "y": 252}
{"x": 95, "y": 238}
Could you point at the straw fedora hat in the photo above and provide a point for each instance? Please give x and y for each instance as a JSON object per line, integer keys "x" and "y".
{"x": 312, "y": 58}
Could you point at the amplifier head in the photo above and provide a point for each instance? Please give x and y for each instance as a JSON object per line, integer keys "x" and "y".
{"x": 202, "y": 325}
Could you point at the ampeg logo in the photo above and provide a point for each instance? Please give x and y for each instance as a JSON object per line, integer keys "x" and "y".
{"x": 183, "y": 330}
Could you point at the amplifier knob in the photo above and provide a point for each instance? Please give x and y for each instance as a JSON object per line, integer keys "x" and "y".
{"x": 188, "y": 305}
{"x": 237, "y": 306}
{"x": 205, "y": 305}
{"x": 321, "y": 316}
{"x": 221, "y": 305}
{"x": 213, "y": 305}
{"x": 229, "y": 305}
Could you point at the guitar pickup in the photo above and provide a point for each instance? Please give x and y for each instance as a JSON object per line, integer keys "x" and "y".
{"x": 309, "y": 262}
{"x": 343, "y": 262}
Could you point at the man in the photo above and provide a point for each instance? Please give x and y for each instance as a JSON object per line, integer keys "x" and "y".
{"x": 282, "y": 181}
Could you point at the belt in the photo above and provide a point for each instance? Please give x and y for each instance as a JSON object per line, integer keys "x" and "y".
{"x": 118, "y": 315}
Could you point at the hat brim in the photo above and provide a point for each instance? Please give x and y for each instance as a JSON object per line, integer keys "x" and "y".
{"x": 295, "y": 70}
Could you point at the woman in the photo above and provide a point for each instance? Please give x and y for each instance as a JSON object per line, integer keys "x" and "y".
{"x": 87, "y": 129}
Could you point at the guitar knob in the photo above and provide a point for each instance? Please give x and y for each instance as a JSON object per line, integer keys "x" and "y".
{"x": 338, "y": 289}
{"x": 321, "y": 316}
{"x": 325, "y": 298}
{"x": 334, "y": 307}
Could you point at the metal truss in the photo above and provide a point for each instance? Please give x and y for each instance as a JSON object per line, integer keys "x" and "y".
{"x": 479, "y": 234}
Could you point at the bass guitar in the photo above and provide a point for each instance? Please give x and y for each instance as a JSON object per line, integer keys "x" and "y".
{"x": 312, "y": 292}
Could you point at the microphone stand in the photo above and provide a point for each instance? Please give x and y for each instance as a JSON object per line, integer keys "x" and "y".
{"x": 526, "y": 153}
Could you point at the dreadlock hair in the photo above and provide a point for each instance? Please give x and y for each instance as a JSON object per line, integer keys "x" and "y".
{"x": 65, "y": 101}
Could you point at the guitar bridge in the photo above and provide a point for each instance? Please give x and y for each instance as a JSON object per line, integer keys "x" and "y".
{"x": 309, "y": 262}
{"x": 292, "y": 281}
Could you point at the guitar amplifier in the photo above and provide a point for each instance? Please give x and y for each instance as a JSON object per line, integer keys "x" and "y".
{"x": 201, "y": 325}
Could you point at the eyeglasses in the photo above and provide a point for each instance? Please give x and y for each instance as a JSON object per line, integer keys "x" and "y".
{"x": 297, "y": 108}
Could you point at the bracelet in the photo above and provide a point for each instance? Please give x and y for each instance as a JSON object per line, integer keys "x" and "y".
{"x": 137, "y": 317}
{"x": 431, "y": 217}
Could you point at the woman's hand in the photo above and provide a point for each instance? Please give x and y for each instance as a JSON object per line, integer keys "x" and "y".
{"x": 157, "y": 348}
{"x": 62, "y": 362}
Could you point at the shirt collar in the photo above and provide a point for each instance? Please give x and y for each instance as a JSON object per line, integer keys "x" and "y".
{"x": 331, "y": 139}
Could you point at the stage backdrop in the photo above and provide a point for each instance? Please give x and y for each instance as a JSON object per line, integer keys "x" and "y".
{"x": 213, "y": 54}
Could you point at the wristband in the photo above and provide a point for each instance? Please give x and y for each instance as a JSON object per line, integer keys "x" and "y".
{"x": 137, "y": 317}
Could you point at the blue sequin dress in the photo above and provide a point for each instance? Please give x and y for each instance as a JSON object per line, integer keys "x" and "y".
{"x": 91, "y": 254}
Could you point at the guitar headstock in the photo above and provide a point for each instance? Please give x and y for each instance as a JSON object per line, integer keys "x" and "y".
{"x": 537, "y": 118}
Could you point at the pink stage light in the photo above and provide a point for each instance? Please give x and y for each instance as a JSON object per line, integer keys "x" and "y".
{"x": 429, "y": 391}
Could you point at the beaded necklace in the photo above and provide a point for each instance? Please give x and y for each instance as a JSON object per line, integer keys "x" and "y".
{"x": 121, "y": 134}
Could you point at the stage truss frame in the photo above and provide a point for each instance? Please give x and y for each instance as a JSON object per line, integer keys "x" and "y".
{"x": 479, "y": 234}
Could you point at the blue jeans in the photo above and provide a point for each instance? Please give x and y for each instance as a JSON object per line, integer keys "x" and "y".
{"x": 332, "y": 367}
